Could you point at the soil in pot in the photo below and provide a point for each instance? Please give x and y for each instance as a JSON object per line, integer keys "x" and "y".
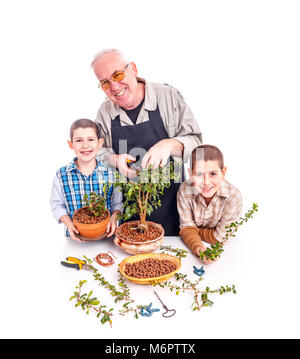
{"x": 149, "y": 268}
{"x": 83, "y": 216}
{"x": 134, "y": 234}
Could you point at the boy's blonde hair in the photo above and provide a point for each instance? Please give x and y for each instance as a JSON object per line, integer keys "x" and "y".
{"x": 207, "y": 153}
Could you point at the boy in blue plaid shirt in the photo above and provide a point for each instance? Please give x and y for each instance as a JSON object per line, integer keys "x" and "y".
{"x": 85, "y": 174}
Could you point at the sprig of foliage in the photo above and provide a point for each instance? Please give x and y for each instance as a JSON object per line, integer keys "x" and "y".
{"x": 87, "y": 302}
{"x": 89, "y": 264}
{"x": 180, "y": 253}
{"x": 136, "y": 310}
{"x": 123, "y": 295}
{"x": 119, "y": 295}
{"x": 200, "y": 296}
{"x": 95, "y": 202}
{"x": 216, "y": 250}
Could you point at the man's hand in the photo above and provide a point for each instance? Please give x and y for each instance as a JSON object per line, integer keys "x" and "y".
{"x": 159, "y": 154}
{"x": 120, "y": 162}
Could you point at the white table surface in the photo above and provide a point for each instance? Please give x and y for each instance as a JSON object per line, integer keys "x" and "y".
{"x": 39, "y": 288}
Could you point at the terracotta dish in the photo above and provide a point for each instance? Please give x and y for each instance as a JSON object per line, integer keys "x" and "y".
{"x": 140, "y": 257}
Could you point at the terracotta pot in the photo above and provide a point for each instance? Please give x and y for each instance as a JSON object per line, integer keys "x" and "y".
{"x": 91, "y": 231}
{"x": 138, "y": 247}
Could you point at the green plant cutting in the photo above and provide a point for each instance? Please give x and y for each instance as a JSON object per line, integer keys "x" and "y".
{"x": 96, "y": 203}
{"x": 215, "y": 250}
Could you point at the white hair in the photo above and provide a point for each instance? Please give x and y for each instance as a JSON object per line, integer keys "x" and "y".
{"x": 105, "y": 51}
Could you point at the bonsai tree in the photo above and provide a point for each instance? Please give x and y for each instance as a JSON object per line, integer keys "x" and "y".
{"x": 91, "y": 220}
{"x": 96, "y": 203}
{"x": 142, "y": 193}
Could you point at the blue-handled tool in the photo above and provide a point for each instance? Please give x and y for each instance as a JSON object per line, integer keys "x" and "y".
{"x": 199, "y": 271}
{"x": 147, "y": 311}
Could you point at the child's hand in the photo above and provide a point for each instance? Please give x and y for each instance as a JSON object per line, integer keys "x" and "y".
{"x": 66, "y": 219}
{"x": 111, "y": 225}
{"x": 205, "y": 260}
{"x": 208, "y": 261}
{"x": 72, "y": 230}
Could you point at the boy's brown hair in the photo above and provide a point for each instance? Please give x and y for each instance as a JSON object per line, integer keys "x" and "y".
{"x": 207, "y": 153}
{"x": 84, "y": 123}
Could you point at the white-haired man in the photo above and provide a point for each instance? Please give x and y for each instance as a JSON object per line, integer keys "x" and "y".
{"x": 143, "y": 122}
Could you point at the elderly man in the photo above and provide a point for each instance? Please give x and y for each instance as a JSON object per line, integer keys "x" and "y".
{"x": 143, "y": 121}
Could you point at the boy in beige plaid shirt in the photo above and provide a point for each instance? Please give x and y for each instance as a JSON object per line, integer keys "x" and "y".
{"x": 207, "y": 202}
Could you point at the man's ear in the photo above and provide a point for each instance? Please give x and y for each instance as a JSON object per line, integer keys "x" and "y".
{"x": 133, "y": 68}
{"x": 70, "y": 143}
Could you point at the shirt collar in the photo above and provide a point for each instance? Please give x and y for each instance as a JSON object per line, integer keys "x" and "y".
{"x": 224, "y": 189}
{"x": 150, "y": 97}
{"x": 72, "y": 166}
{"x": 150, "y": 102}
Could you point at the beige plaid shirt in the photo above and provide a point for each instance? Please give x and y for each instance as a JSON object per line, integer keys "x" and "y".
{"x": 224, "y": 208}
{"x": 177, "y": 118}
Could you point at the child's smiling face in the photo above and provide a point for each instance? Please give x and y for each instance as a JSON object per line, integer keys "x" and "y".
{"x": 85, "y": 144}
{"x": 207, "y": 177}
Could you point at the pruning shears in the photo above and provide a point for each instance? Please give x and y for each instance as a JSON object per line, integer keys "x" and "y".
{"x": 76, "y": 263}
{"x": 132, "y": 165}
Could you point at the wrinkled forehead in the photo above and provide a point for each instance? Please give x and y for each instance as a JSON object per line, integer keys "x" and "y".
{"x": 107, "y": 64}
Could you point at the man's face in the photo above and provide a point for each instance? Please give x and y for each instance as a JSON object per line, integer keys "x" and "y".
{"x": 125, "y": 92}
{"x": 207, "y": 177}
{"x": 85, "y": 144}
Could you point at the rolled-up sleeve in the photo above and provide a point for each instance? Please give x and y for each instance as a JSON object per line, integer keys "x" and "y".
{"x": 105, "y": 133}
{"x": 186, "y": 216}
{"x": 57, "y": 201}
{"x": 188, "y": 132}
{"x": 116, "y": 200}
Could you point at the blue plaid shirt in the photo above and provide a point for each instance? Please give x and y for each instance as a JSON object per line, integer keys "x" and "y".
{"x": 70, "y": 187}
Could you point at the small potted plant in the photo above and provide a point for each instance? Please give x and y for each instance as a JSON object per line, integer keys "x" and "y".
{"x": 92, "y": 219}
{"x": 142, "y": 195}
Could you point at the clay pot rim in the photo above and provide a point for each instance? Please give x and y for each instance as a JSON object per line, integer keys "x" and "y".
{"x": 140, "y": 243}
{"x": 90, "y": 225}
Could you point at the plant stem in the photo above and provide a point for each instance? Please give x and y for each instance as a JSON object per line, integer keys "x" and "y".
{"x": 88, "y": 303}
{"x": 216, "y": 249}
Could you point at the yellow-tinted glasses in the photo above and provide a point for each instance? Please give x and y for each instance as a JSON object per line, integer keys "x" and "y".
{"x": 116, "y": 76}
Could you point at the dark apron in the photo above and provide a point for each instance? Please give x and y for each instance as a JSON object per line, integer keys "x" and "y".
{"x": 145, "y": 135}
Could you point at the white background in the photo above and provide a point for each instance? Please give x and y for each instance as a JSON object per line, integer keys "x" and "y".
{"x": 236, "y": 63}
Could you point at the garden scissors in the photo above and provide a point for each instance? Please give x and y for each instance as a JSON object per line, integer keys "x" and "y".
{"x": 76, "y": 263}
{"x": 132, "y": 165}
{"x": 165, "y": 314}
